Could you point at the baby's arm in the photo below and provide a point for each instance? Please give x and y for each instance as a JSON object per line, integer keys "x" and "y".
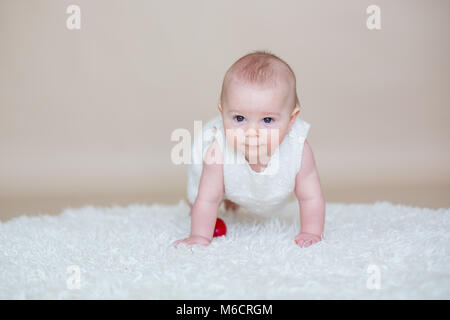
{"x": 311, "y": 200}
{"x": 210, "y": 193}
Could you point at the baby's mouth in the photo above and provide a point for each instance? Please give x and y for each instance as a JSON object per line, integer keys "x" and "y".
{"x": 254, "y": 145}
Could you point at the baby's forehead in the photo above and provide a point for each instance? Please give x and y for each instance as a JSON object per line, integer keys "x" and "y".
{"x": 259, "y": 71}
{"x": 276, "y": 77}
{"x": 248, "y": 97}
{"x": 272, "y": 73}
{"x": 280, "y": 88}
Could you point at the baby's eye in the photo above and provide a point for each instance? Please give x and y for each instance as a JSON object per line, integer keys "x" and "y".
{"x": 239, "y": 118}
{"x": 268, "y": 120}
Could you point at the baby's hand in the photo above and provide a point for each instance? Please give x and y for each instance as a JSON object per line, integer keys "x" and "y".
{"x": 193, "y": 240}
{"x": 304, "y": 239}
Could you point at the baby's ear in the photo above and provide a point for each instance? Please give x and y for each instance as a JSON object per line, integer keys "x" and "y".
{"x": 219, "y": 107}
{"x": 294, "y": 114}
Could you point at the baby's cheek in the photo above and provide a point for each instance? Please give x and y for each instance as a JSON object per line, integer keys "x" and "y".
{"x": 273, "y": 141}
{"x": 275, "y": 136}
{"x": 236, "y": 142}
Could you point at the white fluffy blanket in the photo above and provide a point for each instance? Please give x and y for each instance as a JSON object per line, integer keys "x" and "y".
{"x": 369, "y": 251}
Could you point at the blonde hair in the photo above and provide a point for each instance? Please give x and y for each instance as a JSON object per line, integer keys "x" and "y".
{"x": 260, "y": 68}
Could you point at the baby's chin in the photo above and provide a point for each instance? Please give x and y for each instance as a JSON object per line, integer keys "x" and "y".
{"x": 259, "y": 151}
{"x": 251, "y": 148}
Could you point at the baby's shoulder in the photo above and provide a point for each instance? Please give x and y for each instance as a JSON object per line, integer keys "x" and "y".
{"x": 213, "y": 154}
{"x": 300, "y": 129}
{"x": 210, "y": 129}
{"x": 307, "y": 161}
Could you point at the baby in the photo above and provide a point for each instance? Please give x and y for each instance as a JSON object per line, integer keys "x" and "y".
{"x": 256, "y": 153}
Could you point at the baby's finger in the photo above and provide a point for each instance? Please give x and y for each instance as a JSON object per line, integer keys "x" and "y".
{"x": 176, "y": 243}
{"x": 308, "y": 243}
{"x": 300, "y": 242}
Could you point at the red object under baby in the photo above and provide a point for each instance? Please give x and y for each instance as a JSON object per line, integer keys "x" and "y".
{"x": 220, "y": 228}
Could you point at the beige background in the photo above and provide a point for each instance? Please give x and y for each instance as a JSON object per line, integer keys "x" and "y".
{"x": 86, "y": 115}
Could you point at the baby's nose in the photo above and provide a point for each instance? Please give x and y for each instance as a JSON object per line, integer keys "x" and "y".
{"x": 251, "y": 137}
{"x": 251, "y": 132}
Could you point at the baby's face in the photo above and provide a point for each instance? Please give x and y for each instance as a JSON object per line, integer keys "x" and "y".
{"x": 256, "y": 120}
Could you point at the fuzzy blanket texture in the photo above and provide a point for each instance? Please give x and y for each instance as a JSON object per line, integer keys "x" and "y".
{"x": 369, "y": 251}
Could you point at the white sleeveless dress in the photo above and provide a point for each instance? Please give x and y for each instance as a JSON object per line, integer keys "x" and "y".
{"x": 263, "y": 193}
